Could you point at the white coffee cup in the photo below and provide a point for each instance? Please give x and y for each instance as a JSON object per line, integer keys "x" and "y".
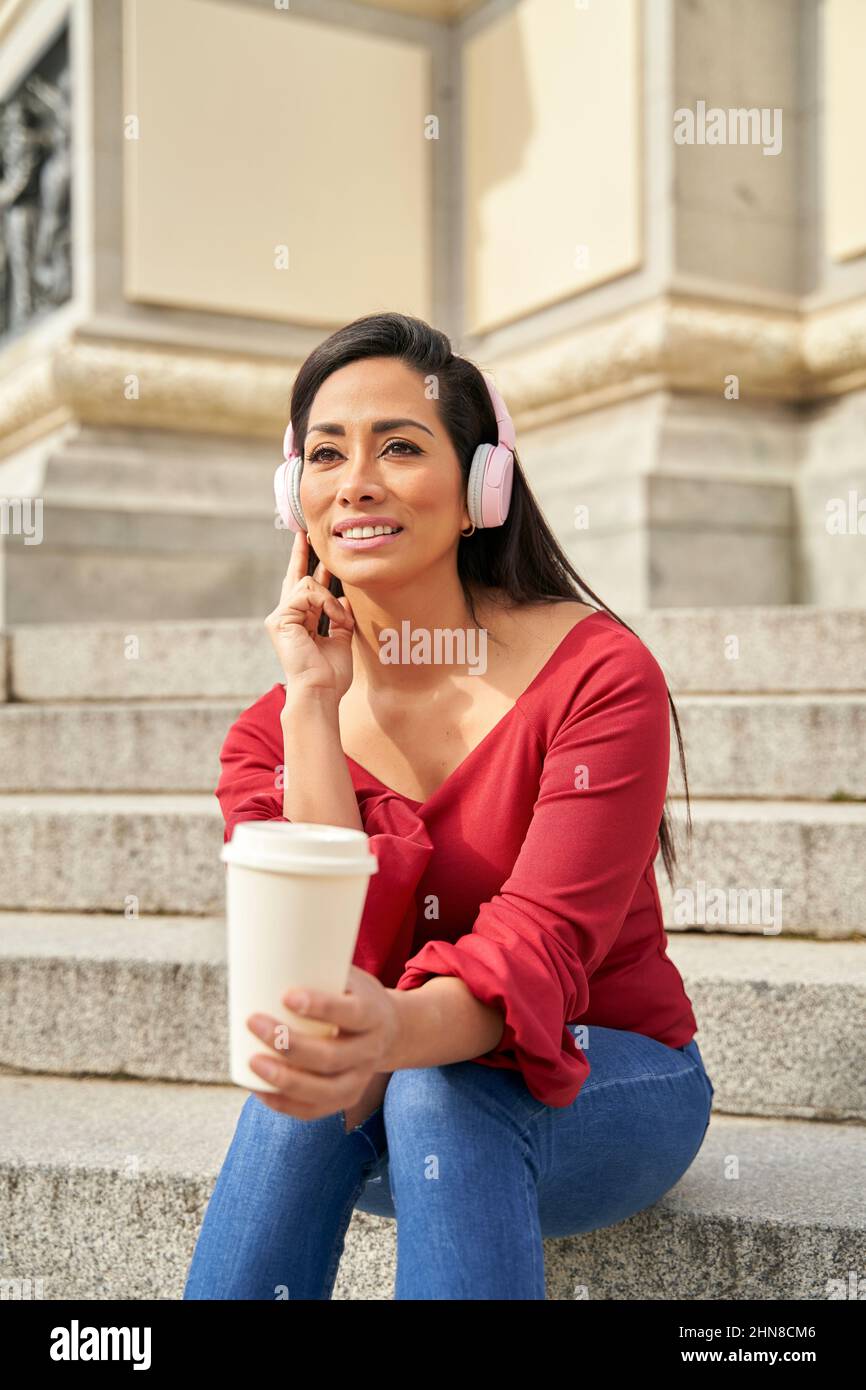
{"x": 295, "y": 894}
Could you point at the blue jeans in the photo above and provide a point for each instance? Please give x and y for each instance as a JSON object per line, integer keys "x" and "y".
{"x": 476, "y": 1171}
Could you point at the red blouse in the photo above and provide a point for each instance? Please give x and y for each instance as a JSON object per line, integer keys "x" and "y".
{"x": 529, "y": 872}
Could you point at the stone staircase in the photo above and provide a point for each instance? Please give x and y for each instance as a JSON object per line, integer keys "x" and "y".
{"x": 113, "y": 1044}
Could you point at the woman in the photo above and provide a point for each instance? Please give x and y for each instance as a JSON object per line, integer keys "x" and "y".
{"x": 516, "y": 1055}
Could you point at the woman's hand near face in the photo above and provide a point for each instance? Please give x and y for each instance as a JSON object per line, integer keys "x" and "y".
{"x": 320, "y": 1076}
{"x": 309, "y": 661}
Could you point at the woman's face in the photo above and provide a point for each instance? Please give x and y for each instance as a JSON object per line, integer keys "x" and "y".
{"x": 376, "y": 453}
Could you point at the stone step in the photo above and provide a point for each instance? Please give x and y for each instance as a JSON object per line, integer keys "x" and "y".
{"x": 808, "y": 747}
{"x": 227, "y": 658}
{"x": 122, "y": 566}
{"x": 751, "y": 996}
{"x": 797, "y": 867}
{"x": 150, "y": 853}
{"x": 131, "y": 746}
{"x": 785, "y": 648}
{"x": 104, "y": 995}
{"x": 800, "y": 650}
{"x": 103, "y": 1186}
{"x": 143, "y": 467}
{"x": 736, "y": 746}
{"x": 113, "y": 853}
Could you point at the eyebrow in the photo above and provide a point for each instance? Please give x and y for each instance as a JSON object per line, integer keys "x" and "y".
{"x": 377, "y": 427}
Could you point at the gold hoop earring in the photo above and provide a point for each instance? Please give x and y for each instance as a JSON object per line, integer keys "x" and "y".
{"x": 468, "y": 533}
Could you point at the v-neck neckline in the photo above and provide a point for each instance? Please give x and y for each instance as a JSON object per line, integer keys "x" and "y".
{"x": 413, "y": 801}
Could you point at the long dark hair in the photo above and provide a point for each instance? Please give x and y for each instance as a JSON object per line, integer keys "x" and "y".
{"x": 522, "y": 558}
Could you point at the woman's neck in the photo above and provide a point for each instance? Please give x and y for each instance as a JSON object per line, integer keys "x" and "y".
{"x": 390, "y": 627}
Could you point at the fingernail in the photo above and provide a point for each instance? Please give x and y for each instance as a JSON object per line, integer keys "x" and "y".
{"x": 298, "y": 1000}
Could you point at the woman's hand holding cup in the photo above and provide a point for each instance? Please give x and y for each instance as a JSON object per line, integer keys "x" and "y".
{"x": 320, "y": 1076}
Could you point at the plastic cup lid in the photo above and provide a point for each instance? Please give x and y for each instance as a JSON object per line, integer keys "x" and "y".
{"x": 300, "y": 847}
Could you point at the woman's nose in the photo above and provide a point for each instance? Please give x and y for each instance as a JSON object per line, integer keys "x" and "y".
{"x": 358, "y": 478}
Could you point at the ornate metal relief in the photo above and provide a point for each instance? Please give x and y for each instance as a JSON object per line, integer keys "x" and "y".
{"x": 35, "y": 181}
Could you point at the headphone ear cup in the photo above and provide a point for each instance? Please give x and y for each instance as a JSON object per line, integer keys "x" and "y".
{"x": 294, "y": 494}
{"x": 280, "y": 493}
{"x": 498, "y": 480}
{"x": 286, "y": 494}
{"x": 475, "y": 483}
{"x": 488, "y": 488}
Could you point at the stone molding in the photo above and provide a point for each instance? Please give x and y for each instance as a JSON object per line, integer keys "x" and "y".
{"x": 670, "y": 343}
{"x": 446, "y": 11}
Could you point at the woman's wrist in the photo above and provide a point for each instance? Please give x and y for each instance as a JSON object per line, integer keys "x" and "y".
{"x": 308, "y": 701}
{"x": 317, "y": 784}
{"x": 440, "y": 1022}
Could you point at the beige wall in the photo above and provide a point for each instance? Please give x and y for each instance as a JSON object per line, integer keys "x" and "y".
{"x": 259, "y": 129}
{"x": 551, "y": 148}
{"x": 845, "y": 127}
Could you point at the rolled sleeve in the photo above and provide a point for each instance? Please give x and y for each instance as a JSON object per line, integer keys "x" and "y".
{"x": 535, "y": 944}
{"x": 251, "y": 766}
{"x": 402, "y": 846}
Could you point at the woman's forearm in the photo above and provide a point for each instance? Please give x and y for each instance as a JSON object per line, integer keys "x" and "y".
{"x": 317, "y": 784}
{"x": 441, "y": 1022}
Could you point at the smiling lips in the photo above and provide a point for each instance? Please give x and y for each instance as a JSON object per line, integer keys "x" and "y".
{"x": 367, "y": 519}
{"x": 367, "y": 542}
{"x": 367, "y": 533}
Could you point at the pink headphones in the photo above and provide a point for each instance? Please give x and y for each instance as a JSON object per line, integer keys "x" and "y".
{"x": 488, "y": 490}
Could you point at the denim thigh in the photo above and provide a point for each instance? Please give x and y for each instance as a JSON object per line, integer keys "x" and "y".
{"x": 630, "y": 1134}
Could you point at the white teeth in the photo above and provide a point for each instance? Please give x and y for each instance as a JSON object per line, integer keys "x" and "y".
{"x": 362, "y": 533}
